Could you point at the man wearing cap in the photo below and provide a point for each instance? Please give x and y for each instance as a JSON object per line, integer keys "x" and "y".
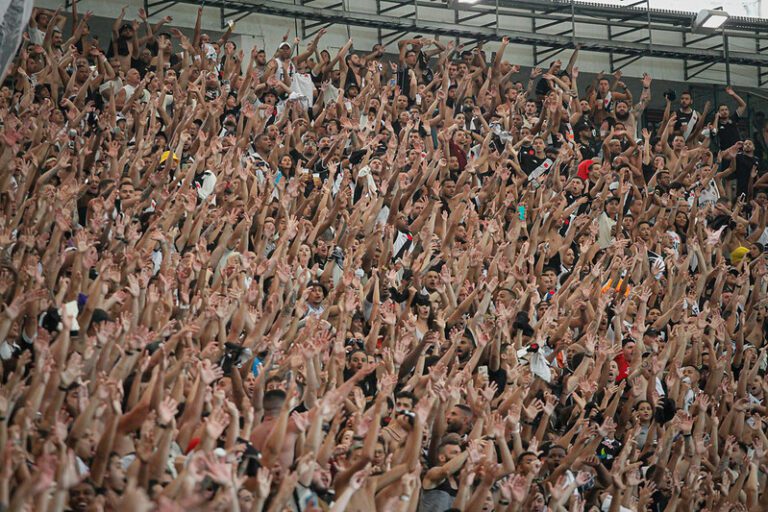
{"x": 282, "y": 66}
{"x": 124, "y": 44}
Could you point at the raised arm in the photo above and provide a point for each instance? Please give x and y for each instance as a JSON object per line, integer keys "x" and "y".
{"x": 741, "y": 104}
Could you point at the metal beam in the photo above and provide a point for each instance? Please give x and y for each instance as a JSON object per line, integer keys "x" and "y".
{"x": 700, "y": 39}
{"x": 315, "y": 29}
{"x": 620, "y": 62}
{"x": 233, "y": 15}
{"x": 388, "y": 39}
{"x": 697, "y": 69}
{"x": 627, "y": 31}
{"x": 162, "y": 4}
{"x": 392, "y": 8}
{"x": 619, "y": 21}
{"x": 550, "y": 24}
{"x": 474, "y": 16}
{"x": 517, "y": 9}
{"x": 547, "y": 55}
{"x": 364, "y": 19}
{"x": 682, "y": 19}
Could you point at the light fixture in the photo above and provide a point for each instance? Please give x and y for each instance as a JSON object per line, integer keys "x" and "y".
{"x": 710, "y": 20}
{"x": 468, "y": 1}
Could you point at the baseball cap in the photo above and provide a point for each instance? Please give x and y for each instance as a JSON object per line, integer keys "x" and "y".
{"x": 99, "y": 315}
{"x": 284, "y": 44}
{"x": 165, "y": 156}
{"x": 738, "y": 254}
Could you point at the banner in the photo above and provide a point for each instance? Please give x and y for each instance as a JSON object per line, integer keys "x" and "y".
{"x": 15, "y": 15}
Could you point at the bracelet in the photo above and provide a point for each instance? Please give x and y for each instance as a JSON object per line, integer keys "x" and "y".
{"x": 404, "y": 497}
{"x": 166, "y": 426}
{"x": 503, "y": 502}
{"x": 65, "y": 389}
{"x": 686, "y": 435}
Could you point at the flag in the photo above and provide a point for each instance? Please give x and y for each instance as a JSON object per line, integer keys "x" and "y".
{"x": 15, "y": 15}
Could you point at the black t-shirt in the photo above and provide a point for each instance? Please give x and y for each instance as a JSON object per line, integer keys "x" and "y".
{"x": 648, "y": 172}
{"x": 683, "y": 118}
{"x": 542, "y": 87}
{"x": 499, "y": 377}
{"x": 718, "y": 221}
{"x": 581, "y": 209}
{"x": 153, "y": 47}
{"x": 528, "y": 159}
{"x": 744, "y": 164}
{"x": 351, "y": 79}
{"x": 298, "y": 156}
{"x": 122, "y": 47}
{"x": 397, "y": 126}
{"x": 141, "y": 66}
{"x": 588, "y": 149}
{"x": 404, "y": 81}
{"x": 728, "y": 132}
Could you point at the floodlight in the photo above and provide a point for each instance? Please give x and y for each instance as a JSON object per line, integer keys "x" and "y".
{"x": 468, "y": 1}
{"x": 710, "y": 19}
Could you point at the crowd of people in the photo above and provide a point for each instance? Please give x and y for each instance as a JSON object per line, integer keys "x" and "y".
{"x": 407, "y": 279}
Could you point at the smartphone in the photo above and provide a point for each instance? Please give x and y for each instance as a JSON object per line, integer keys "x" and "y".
{"x": 255, "y": 367}
{"x": 483, "y": 370}
{"x": 521, "y": 212}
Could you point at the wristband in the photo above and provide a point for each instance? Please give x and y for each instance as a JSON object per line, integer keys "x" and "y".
{"x": 404, "y": 497}
{"x": 166, "y": 426}
{"x": 503, "y": 502}
{"x": 65, "y": 389}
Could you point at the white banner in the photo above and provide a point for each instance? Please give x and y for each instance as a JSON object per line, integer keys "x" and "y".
{"x": 15, "y": 16}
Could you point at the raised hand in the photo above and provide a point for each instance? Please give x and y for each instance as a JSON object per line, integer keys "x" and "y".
{"x": 166, "y": 411}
